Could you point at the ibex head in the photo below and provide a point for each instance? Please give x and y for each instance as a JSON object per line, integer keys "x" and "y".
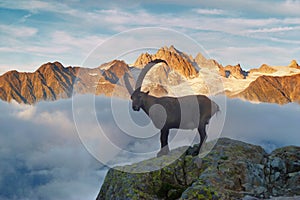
{"x": 138, "y": 99}
{"x": 137, "y": 96}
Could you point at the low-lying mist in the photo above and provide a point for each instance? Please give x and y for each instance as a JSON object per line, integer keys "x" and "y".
{"x": 42, "y": 156}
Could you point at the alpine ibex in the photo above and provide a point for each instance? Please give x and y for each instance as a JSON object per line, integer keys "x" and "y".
{"x": 187, "y": 112}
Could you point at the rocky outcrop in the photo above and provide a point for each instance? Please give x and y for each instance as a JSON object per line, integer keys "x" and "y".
{"x": 273, "y": 89}
{"x": 231, "y": 170}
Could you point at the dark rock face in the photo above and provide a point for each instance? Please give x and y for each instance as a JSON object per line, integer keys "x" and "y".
{"x": 232, "y": 170}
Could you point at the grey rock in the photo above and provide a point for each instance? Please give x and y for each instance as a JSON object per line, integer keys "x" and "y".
{"x": 231, "y": 170}
{"x": 247, "y": 197}
{"x": 277, "y": 164}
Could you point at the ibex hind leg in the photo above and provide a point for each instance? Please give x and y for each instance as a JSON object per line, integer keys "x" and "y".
{"x": 203, "y": 137}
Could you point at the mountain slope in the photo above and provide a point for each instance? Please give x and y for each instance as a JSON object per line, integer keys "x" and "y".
{"x": 273, "y": 89}
{"x": 105, "y": 79}
{"x": 49, "y": 82}
{"x": 53, "y": 81}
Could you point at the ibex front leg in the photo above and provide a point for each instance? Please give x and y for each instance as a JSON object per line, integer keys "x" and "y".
{"x": 203, "y": 137}
{"x": 164, "y": 133}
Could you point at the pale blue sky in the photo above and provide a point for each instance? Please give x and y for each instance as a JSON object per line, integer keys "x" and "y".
{"x": 232, "y": 31}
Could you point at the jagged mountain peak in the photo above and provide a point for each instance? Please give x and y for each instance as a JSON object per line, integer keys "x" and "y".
{"x": 177, "y": 61}
{"x": 112, "y": 64}
{"x": 174, "y": 50}
{"x": 294, "y": 64}
{"x": 199, "y": 57}
{"x": 171, "y": 49}
{"x": 233, "y": 71}
{"x": 265, "y": 69}
{"x": 11, "y": 72}
{"x": 50, "y": 66}
{"x": 204, "y": 62}
{"x": 114, "y": 70}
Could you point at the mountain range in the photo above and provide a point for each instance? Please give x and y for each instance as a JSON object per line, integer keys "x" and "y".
{"x": 183, "y": 75}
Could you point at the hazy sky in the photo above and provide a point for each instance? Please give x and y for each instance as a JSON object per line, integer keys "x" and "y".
{"x": 250, "y": 33}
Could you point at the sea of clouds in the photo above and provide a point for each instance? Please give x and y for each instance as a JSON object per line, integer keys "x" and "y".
{"x": 43, "y": 157}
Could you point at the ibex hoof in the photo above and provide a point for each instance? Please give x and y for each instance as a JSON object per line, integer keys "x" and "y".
{"x": 163, "y": 151}
{"x": 195, "y": 153}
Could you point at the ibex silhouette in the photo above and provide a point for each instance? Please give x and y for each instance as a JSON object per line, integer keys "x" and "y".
{"x": 187, "y": 112}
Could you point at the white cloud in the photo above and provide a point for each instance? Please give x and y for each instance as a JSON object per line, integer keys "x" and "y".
{"x": 119, "y": 20}
{"x": 270, "y": 125}
{"x": 289, "y": 6}
{"x": 255, "y": 7}
{"x": 84, "y": 43}
{"x": 273, "y": 30}
{"x": 25, "y": 112}
{"x": 38, "y": 6}
{"x": 253, "y": 57}
{"x": 25, "y": 5}
{"x": 210, "y": 11}
{"x": 61, "y": 42}
{"x": 18, "y": 31}
{"x": 40, "y": 146}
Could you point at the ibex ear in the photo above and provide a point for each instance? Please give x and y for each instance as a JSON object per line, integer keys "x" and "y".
{"x": 147, "y": 92}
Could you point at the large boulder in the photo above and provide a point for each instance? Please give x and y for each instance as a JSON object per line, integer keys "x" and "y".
{"x": 231, "y": 170}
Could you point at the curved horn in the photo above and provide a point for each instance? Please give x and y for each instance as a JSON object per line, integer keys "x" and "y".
{"x": 127, "y": 83}
{"x": 145, "y": 70}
